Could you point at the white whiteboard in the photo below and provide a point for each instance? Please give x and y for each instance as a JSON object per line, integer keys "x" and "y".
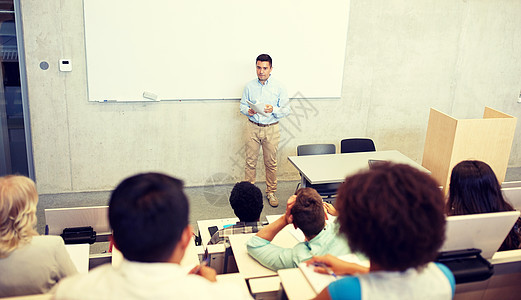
{"x": 206, "y": 49}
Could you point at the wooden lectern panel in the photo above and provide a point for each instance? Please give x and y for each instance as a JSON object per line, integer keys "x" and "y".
{"x": 439, "y": 143}
{"x": 450, "y": 141}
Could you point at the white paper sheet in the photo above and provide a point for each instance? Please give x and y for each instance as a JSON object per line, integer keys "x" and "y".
{"x": 258, "y": 107}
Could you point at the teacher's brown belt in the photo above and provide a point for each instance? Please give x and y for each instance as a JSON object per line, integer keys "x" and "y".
{"x": 263, "y": 125}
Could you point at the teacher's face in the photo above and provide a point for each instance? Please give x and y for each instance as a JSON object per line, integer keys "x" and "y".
{"x": 263, "y": 70}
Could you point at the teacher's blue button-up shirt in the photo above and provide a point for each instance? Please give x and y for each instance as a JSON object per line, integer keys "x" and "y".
{"x": 273, "y": 93}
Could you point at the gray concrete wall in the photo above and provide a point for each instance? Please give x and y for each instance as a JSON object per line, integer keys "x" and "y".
{"x": 402, "y": 58}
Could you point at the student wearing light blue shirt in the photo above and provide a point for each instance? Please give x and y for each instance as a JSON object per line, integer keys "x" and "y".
{"x": 263, "y": 127}
{"x": 306, "y": 212}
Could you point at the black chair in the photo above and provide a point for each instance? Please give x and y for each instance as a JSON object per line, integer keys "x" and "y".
{"x": 324, "y": 189}
{"x": 357, "y": 145}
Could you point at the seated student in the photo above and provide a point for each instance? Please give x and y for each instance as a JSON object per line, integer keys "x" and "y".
{"x": 247, "y": 203}
{"x": 148, "y": 214}
{"x": 474, "y": 189}
{"x": 305, "y": 210}
{"x": 29, "y": 263}
{"x": 393, "y": 214}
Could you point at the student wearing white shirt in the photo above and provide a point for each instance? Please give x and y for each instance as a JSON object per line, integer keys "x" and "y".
{"x": 148, "y": 214}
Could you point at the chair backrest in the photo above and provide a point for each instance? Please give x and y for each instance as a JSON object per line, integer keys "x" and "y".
{"x": 511, "y": 184}
{"x": 513, "y": 196}
{"x": 357, "y": 145}
{"x": 316, "y": 149}
{"x": 56, "y": 219}
{"x": 481, "y": 231}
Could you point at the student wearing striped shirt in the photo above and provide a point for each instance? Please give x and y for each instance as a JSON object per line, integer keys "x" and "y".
{"x": 246, "y": 202}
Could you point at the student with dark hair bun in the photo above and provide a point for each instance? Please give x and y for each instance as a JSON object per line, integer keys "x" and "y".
{"x": 393, "y": 214}
{"x": 474, "y": 189}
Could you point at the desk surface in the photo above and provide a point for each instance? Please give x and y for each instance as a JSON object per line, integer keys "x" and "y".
{"x": 235, "y": 278}
{"x": 249, "y": 267}
{"x": 295, "y": 284}
{"x": 503, "y": 284}
{"x": 264, "y": 285}
{"x": 204, "y": 224}
{"x": 331, "y": 168}
{"x": 79, "y": 254}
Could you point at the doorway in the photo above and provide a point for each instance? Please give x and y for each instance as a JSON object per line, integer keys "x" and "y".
{"x": 14, "y": 129}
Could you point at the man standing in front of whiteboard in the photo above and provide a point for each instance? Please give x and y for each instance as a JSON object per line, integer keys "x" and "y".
{"x": 264, "y": 101}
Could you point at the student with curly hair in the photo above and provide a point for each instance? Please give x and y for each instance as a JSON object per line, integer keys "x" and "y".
{"x": 246, "y": 202}
{"x": 394, "y": 214}
{"x": 474, "y": 189}
{"x": 30, "y": 264}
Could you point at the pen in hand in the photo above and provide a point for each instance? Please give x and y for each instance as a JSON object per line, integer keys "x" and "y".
{"x": 196, "y": 270}
{"x": 204, "y": 263}
{"x": 325, "y": 267}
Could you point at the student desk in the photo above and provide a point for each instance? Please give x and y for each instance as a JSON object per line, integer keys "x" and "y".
{"x": 265, "y": 288}
{"x": 79, "y": 254}
{"x": 216, "y": 252}
{"x": 47, "y": 296}
{"x": 203, "y": 226}
{"x": 235, "y": 278}
{"x": 295, "y": 284}
{"x": 504, "y": 284}
{"x": 249, "y": 267}
{"x": 513, "y": 196}
{"x": 333, "y": 168}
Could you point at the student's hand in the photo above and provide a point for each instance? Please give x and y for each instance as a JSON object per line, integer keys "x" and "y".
{"x": 251, "y": 112}
{"x": 330, "y": 209}
{"x": 268, "y": 109}
{"x": 289, "y": 205}
{"x": 338, "y": 266}
{"x": 205, "y": 272}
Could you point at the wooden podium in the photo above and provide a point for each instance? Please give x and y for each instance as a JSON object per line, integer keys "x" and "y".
{"x": 450, "y": 141}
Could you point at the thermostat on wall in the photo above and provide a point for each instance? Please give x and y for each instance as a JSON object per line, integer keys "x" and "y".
{"x": 65, "y": 65}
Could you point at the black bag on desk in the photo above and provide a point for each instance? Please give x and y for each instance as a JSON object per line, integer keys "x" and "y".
{"x": 79, "y": 235}
{"x": 467, "y": 265}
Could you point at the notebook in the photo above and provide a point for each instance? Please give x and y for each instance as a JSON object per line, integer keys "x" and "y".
{"x": 319, "y": 281}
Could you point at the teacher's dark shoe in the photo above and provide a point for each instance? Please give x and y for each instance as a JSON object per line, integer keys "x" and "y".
{"x": 272, "y": 200}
